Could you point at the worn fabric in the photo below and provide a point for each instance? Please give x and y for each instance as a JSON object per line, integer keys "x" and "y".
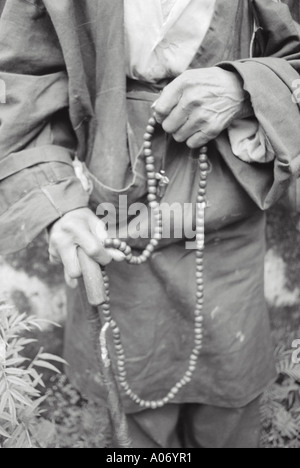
{"x": 172, "y": 39}
{"x": 56, "y": 61}
{"x": 167, "y": 6}
{"x": 249, "y": 142}
{"x": 197, "y": 426}
{"x": 175, "y": 32}
{"x": 96, "y": 79}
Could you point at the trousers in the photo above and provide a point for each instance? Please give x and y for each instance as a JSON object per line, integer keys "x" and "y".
{"x": 197, "y": 426}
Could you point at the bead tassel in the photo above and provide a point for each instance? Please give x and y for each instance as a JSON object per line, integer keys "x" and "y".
{"x": 146, "y": 254}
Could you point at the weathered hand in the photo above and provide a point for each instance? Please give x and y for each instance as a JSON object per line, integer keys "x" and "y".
{"x": 79, "y": 228}
{"x": 198, "y": 105}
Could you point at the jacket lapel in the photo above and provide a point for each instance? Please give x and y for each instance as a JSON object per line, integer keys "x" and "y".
{"x": 222, "y": 41}
{"x": 110, "y": 106}
{"x": 91, "y": 35}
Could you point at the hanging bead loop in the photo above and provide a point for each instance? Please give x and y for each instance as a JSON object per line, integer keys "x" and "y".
{"x": 157, "y": 183}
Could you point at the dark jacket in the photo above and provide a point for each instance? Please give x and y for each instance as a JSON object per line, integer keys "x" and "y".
{"x": 55, "y": 60}
{"x": 63, "y": 64}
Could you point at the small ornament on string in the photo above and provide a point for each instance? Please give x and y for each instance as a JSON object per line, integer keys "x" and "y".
{"x": 163, "y": 183}
{"x": 82, "y": 174}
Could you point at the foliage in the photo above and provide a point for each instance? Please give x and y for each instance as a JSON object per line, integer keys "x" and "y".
{"x": 79, "y": 423}
{"x": 281, "y": 405}
{"x": 34, "y": 261}
{"x": 21, "y": 425}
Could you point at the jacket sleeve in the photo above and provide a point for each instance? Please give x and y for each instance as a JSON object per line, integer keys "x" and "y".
{"x": 37, "y": 143}
{"x": 272, "y": 80}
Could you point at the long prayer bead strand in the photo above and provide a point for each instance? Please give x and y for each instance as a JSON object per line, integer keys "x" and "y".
{"x": 152, "y": 181}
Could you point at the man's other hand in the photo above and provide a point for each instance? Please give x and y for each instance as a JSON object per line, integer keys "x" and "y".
{"x": 79, "y": 228}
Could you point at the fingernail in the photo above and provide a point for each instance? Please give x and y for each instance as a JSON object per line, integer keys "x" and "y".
{"x": 116, "y": 255}
{"x": 72, "y": 283}
{"x": 154, "y": 104}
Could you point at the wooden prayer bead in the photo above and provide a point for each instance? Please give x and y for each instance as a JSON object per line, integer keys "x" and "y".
{"x": 152, "y": 122}
{"x": 108, "y": 243}
{"x": 199, "y": 320}
{"x": 151, "y": 197}
{"x": 193, "y": 359}
{"x": 204, "y": 166}
{"x": 123, "y": 247}
{"x": 116, "y": 243}
{"x": 153, "y": 205}
{"x": 150, "y": 159}
{"x": 154, "y": 242}
{"x": 152, "y": 190}
{"x": 127, "y": 250}
{"x": 141, "y": 259}
{"x": 150, "y": 129}
{"x": 147, "y": 254}
{"x": 200, "y": 230}
{"x": 150, "y": 249}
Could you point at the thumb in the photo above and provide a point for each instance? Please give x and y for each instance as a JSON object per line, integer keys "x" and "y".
{"x": 116, "y": 255}
{"x": 98, "y": 228}
{"x": 72, "y": 283}
{"x": 168, "y": 100}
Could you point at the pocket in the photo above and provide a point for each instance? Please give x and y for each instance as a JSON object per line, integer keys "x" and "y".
{"x": 135, "y": 179}
{"x": 227, "y": 201}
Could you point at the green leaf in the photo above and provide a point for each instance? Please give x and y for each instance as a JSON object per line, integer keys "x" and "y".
{"x": 17, "y": 381}
{"x": 37, "y": 378}
{"x": 3, "y": 433}
{"x": 26, "y": 341}
{"x": 3, "y": 401}
{"x": 2, "y": 386}
{"x": 23, "y": 385}
{"x": 21, "y": 398}
{"x": 51, "y": 357}
{"x": 47, "y": 365}
{"x": 5, "y": 417}
{"x": 12, "y": 410}
{"x": 16, "y": 361}
{"x": 15, "y": 371}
